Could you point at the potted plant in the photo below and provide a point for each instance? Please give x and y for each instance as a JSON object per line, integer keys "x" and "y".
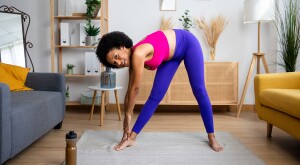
{"x": 67, "y": 94}
{"x": 91, "y": 32}
{"x": 212, "y": 32}
{"x": 186, "y": 20}
{"x": 92, "y": 8}
{"x": 287, "y": 25}
{"x": 70, "y": 68}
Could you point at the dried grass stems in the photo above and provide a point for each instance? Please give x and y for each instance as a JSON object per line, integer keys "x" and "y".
{"x": 212, "y": 31}
{"x": 166, "y": 23}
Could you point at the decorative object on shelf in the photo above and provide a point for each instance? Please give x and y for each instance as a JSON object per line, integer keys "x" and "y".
{"x": 186, "y": 20}
{"x": 166, "y": 23}
{"x": 91, "y": 64}
{"x": 287, "y": 23}
{"x": 21, "y": 23}
{"x": 91, "y": 32}
{"x": 108, "y": 78}
{"x": 65, "y": 34}
{"x": 168, "y": 5}
{"x": 256, "y": 11}
{"x": 67, "y": 94}
{"x": 70, "y": 68}
{"x": 92, "y": 8}
{"x": 86, "y": 98}
{"x": 212, "y": 32}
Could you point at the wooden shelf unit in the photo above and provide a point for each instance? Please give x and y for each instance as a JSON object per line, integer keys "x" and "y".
{"x": 57, "y": 49}
{"x": 221, "y": 79}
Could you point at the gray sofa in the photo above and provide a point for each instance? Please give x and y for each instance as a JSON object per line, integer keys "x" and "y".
{"x": 25, "y": 116}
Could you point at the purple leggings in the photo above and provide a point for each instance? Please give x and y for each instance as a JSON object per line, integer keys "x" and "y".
{"x": 188, "y": 50}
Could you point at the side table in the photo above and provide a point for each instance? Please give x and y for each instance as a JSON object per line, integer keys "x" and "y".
{"x": 98, "y": 88}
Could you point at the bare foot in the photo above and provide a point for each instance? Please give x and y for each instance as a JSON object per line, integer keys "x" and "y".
{"x": 213, "y": 143}
{"x": 125, "y": 143}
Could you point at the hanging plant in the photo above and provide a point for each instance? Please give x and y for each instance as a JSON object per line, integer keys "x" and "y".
{"x": 92, "y": 9}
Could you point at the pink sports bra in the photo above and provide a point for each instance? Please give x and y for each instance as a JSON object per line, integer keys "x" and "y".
{"x": 161, "y": 49}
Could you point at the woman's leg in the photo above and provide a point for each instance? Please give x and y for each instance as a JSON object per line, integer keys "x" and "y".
{"x": 194, "y": 64}
{"x": 162, "y": 80}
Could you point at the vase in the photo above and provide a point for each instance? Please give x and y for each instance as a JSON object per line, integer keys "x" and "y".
{"x": 212, "y": 54}
{"x": 108, "y": 78}
{"x": 69, "y": 71}
{"x": 97, "y": 8}
{"x": 90, "y": 40}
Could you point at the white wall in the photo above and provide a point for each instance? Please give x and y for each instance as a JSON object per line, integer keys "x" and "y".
{"x": 238, "y": 41}
{"x": 137, "y": 18}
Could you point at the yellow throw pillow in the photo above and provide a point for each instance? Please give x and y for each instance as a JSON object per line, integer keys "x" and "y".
{"x": 14, "y": 76}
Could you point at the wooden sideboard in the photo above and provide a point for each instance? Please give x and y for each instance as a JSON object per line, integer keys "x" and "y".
{"x": 221, "y": 80}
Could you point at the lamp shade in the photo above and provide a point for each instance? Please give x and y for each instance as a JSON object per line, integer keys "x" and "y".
{"x": 258, "y": 11}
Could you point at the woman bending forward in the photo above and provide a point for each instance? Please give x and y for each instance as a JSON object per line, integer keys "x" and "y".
{"x": 164, "y": 51}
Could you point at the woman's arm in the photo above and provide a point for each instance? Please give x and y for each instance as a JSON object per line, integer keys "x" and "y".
{"x": 135, "y": 75}
{"x": 127, "y": 117}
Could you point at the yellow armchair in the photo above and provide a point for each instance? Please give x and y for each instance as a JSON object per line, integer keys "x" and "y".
{"x": 277, "y": 101}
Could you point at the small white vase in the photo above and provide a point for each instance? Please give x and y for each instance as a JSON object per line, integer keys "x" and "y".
{"x": 69, "y": 71}
{"x": 90, "y": 40}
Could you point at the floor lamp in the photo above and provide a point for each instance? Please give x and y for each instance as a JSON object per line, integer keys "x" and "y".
{"x": 256, "y": 11}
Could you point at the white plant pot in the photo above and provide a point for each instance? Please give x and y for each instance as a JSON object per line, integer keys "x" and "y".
{"x": 90, "y": 40}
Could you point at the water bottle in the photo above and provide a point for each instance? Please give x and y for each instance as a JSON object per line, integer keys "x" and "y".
{"x": 71, "y": 149}
{"x": 108, "y": 78}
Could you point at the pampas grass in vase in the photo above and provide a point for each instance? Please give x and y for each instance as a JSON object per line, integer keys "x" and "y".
{"x": 212, "y": 32}
{"x": 166, "y": 23}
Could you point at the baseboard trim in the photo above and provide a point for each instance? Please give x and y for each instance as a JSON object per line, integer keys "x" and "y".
{"x": 185, "y": 108}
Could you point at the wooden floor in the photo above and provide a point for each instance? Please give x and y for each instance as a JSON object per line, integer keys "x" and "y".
{"x": 248, "y": 129}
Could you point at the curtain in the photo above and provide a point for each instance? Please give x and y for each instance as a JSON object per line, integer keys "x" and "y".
{"x": 13, "y": 54}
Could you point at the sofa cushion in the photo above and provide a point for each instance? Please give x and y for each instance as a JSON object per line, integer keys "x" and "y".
{"x": 14, "y": 76}
{"x": 284, "y": 100}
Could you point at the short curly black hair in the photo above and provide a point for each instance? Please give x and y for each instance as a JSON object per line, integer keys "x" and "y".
{"x": 109, "y": 41}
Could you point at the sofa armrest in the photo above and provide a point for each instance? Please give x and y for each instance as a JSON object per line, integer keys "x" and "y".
{"x": 46, "y": 81}
{"x": 286, "y": 80}
{"x": 5, "y": 122}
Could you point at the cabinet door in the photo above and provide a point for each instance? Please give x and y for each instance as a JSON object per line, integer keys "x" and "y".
{"x": 221, "y": 82}
{"x": 146, "y": 86}
{"x": 180, "y": 91}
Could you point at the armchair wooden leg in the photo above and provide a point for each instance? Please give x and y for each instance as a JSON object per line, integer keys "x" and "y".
{"x": 269, "y": 130}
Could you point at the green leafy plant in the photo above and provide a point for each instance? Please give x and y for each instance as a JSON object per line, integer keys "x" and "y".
{"x": 92, "y": 7}
{"x": 92, "y": 30}
{"x": 287, "y": 25}
{"x": 186, "y": 20}
{"x": 67, "y": 92}
{"x": 70, "y": 66}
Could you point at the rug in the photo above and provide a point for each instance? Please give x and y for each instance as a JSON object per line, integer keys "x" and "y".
{"x": 161, "y": 148}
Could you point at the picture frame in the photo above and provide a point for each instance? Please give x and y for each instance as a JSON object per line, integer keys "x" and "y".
{"x": 168, "y": 5}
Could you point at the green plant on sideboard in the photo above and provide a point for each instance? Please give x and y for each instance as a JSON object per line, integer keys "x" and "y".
{"x": 186, "y": 20}
{"x": 287, "y": 23}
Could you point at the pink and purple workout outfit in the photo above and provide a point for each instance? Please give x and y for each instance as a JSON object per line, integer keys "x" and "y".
{"x": 188, "y": 50}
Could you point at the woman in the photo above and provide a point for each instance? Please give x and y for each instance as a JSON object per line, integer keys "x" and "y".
{"x": 164, "y": 51}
